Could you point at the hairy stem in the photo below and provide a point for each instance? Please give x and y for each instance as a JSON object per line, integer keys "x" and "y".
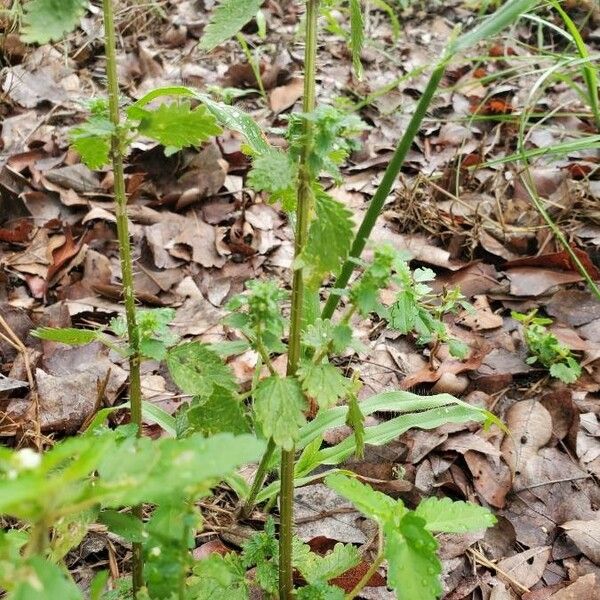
{"x": 117, "y": 145}
{"x": 303, "y": 211}
{"x": 384, "y": 189}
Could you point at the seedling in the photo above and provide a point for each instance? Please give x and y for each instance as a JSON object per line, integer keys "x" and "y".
{"x": 545, "y": 348}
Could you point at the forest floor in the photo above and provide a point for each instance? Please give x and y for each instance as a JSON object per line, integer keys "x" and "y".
{"x": 198, "y": 234}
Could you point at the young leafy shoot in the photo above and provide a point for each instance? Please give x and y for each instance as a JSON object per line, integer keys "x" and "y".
{"x": 92, "y": 138}
{"x": 546, "y": 349}
{"x": 49, "y": 20}
{"x": 228, "y": 19}
{"x": 409, "y": 546}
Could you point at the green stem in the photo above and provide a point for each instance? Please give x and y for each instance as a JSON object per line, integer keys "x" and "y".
{"x": 38, "y": 539}
{"x": 259, "y": 479}
{"x": 253, "y": 62}
{"x": 117, "y": 152}
{"x": 367, "y": 576}
{"x": 286, "y": 584}
{"x": 384, "y": 189}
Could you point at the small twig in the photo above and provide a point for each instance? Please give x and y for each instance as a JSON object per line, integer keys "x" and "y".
{"x": 481, "y": 559}
{"x": 11, "y": 338}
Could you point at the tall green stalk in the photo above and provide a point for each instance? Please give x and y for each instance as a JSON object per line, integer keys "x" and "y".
{"x": 286, "y": 584}
{"x": 117, "y": 152}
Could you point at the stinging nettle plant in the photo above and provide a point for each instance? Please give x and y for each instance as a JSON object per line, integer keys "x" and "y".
{"x": 97, "y": 476}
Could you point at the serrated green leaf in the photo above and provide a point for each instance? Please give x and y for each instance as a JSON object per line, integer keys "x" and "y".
{"x": 315, "y": 568}
{"x": 329, "y": 238}
{"x": 49, "y": 20}
{"x": 320, "y": 591}
{"x": 357, "y": 35}
{"x": 279, "y": 405}
{"x": 176, "y": 125}
{"x": 218, "y": 577}
{"x": 371, "y": 503}
{"x": 66, "y": 335}
{"x": 274, "y": 172}
{"x": 413, "y": 566}
{"x": 197, "y": 369}
{"x": 227, "y": 19}
{"x": 564, "y": 372}
{"x": 221, "y": 412}
{"x": 92, "y": 140}
{"x": 447, "y": 516}
{"x": 324, "y": 382}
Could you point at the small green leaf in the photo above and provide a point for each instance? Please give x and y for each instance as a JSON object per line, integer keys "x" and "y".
{"x": 92, "y": 138}
{"x": 125, "y": 525}
{"x": 566, "y": 373}
{"x": 176, "y": 125}
{"x": 274, "y": 172}
{"x": 324, "y": 382}
{"x": 279, "y": 405}
{"x": 329, "y": 238}
{"x": 315, "y": 568}
{"x": 228, "y": 18}
{"x": 446, "y": 516}
{"x": 66, "y": 335}
{"x": 414, "y": 568}
{"x": 371, "y": 503}
{"x": 219, "y": 578}
{"x": 458, "y": 348}
{"x": 49, "y": 20}
{"x": 221, "y": 412}
{"x": 357, "y": 35}
{"x": 196, "y": 369}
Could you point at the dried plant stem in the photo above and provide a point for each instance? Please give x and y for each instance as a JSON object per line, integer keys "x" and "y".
{"x": 117, "y": 145}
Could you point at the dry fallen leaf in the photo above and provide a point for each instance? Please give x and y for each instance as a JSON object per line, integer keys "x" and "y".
{"x": 586, "y": 535}
{"x": 527, "y": 567}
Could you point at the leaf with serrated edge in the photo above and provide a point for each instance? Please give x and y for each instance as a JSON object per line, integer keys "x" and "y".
{"x": 446, "y": 516}
{"x": 228, "y": 18}
{"x": 279, "y": 405}
{"x": 196, "y": 369}
{"x": 329, "y": 237}
{"x": 414, "y": 568}
{"x": 324, "y": 382}
{"x": 177, "y": 125}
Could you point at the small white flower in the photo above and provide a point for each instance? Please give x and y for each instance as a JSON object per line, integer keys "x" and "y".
{"x": 155, "y": 551}
{"x": 27, "y": 459}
